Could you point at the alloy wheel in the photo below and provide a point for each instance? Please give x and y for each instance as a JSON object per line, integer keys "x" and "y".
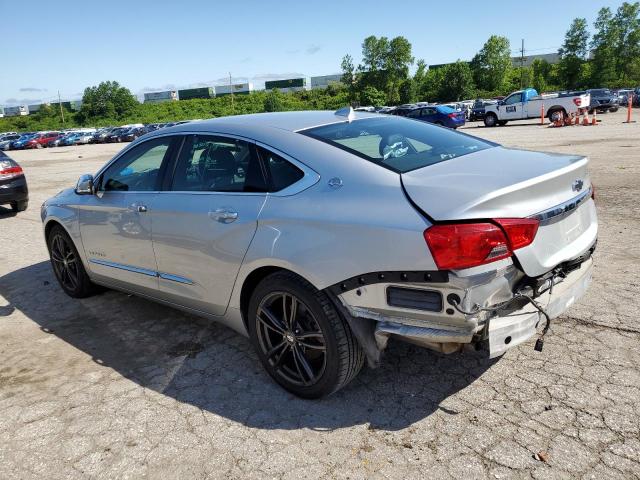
{"x": 65, "y": 263}
{"x": 291, "y": 338}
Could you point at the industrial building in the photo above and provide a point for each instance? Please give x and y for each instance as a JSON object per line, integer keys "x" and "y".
{"x": 323, "y": 81}
{"x": 190, "y": 93}
{"x": 287, "y": 85}
{"x": 16, "y": 111}
{"x": 236, "y": 89}
{"x": 159, "y": 97}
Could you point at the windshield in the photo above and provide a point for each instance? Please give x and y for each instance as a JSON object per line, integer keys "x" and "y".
{"x": 397, "y": 143}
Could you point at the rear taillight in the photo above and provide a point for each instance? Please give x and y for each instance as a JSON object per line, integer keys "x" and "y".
{"x": 577, "y": 101}
{"x": 464, "y": 245}
{"x": 10, "y": 172}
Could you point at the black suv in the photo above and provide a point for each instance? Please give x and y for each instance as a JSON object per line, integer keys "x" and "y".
{"x": 13, "y": 184}
{"x": 603, "y": 100}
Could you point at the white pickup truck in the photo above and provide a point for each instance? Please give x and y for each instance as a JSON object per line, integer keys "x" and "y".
{"x": 528, "y": 104}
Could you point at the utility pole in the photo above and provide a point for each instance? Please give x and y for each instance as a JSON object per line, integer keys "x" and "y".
{"x": 60, "y": 105}
{"x": 522, "y": 65}
{"x": 231, "y": 90}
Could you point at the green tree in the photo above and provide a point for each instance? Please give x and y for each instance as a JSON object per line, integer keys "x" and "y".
{"x": 107, "y": 100}
{"x": 273, "y": 101}
{"x": 349, "y": 75}
{"x": 492, "y": 63}
{"x": 573, "y": 53}
{"x": 603, "y": 45}
{"x": 626, "y": 29}
{"x": 385, "y": 67}
{"x": 372, "y": 96}
{"x": 457, "y": 82}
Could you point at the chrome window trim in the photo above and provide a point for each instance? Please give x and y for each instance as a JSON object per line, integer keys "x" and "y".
{"x": 310, "y": 178}
{"x": 563, "y": 209}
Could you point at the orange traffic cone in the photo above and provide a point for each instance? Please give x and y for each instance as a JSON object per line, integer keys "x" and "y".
{"x": 568, "y": 121}
{"x": 593, "y": 119}
{"x": 585, "y": 119}
{"x": 577, "y": 119}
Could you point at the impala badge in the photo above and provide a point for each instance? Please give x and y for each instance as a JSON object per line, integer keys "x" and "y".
{"x": 577, "y": 185}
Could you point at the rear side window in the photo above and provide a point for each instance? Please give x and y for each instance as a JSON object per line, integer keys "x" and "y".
{"x": 282, "y": 173}
{"x": 397, "y": 143}
{"x": 218, "y": 164}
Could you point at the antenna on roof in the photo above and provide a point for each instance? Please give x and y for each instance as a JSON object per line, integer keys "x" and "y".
{"x": 346, "y": 112}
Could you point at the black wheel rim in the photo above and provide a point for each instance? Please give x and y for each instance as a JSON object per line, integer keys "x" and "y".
{"x": 65, "y": 262}
{"x": 291, "y": 339}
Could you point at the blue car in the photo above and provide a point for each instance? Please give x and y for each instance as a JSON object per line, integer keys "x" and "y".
{"x": 20, "y": 143}
{"x": 438, "y": 114}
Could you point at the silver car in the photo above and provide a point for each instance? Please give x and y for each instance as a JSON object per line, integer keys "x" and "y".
{"x": 323, "y": 235}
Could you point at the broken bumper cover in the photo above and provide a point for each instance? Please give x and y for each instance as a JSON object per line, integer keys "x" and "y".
{"x": 510, "y": 330}
{"x": 448, "y": 332}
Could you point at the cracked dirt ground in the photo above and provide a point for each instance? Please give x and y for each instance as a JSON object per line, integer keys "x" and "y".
{"x": 118, "y": 387}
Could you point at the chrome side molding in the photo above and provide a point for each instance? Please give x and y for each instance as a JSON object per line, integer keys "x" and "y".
{"x": 142, "y": 271}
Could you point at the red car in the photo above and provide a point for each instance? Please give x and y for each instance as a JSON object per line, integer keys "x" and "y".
{"x": 41, "y": 140}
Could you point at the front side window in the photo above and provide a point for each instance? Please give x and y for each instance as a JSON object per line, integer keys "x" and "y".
{"x": 397, "y": 143}
{"x": 515, "y": 98}
{"x": 217, "y": 164}
{"x": 138, "y": 169}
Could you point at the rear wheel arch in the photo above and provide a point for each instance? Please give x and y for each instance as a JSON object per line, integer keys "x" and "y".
{"x": 555, "y": 109}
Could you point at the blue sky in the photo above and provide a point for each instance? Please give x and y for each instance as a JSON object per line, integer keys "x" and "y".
{"x": 156, "y": 45}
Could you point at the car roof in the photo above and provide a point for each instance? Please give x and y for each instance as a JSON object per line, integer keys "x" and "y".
{"x": 289, "y": 121}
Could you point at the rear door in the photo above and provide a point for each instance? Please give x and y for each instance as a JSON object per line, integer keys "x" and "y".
{"x": 205, "y": 220}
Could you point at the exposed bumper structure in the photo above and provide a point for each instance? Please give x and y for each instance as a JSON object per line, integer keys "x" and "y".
{"x": 449, "y": 329}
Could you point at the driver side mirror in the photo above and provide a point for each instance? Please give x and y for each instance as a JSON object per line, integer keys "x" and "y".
{"x": 85, "y": 185}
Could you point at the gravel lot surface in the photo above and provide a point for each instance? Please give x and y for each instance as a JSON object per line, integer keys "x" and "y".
{"x": 118, "y": 387}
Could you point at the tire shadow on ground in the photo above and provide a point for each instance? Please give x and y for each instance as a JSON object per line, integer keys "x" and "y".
{"x": 215, "y": 369}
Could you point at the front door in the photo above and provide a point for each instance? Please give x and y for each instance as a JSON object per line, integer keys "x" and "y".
{"x": 115, "y": 223}
{"x": 205, "y": 220}
{"x": 512, "y": 107}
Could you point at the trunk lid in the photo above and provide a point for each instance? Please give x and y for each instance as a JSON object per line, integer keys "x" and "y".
{"x": 509, "y": 183}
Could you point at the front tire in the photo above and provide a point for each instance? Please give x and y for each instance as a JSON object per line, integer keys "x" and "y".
{"x": 490, "y": 120}
{"x": 302, "y": 341}
{"x": 20, "y": 206}
{"x": 67, "y": 265}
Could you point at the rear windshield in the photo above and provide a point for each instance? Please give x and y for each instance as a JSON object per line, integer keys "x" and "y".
{"x": 397, "y": 143}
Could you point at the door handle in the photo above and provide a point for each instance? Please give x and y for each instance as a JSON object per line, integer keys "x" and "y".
{"x": 223, "y": 215}
{"x": 138, "y": 207}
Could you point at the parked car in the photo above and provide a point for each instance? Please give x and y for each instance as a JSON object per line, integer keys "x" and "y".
{"x": 115, "y": 135}
{"x": 132, "y": 134}
{"x": 13, "y": 184}
{"x": 100, "y": 135}
{"x": 83, "y": 138}
{"x": 528, "y": 104}
{"x": 440, "y": 115}
{"x": 21, "y": 142}
{"x": 41, "y": 140}
{"x": 7, "y": 140}
{"x": 472, "y": 248}
{"x": 478, "y": 109}
{"x": 636, "y": 97}
{"x": 59, "y": 140}
{"x": 603, "y": 100}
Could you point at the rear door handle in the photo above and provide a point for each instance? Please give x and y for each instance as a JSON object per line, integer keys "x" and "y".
{"x": 223, "y": 215}
{"x": 138, "y": 207}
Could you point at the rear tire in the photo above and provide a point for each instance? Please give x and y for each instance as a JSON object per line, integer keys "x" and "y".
{"x": 554, "y": 114}
{"x": 67, "y": 265}
{"x": 308, "y": 349}
{"x": 490, "y": 120}
{"x": 20, "y": 206}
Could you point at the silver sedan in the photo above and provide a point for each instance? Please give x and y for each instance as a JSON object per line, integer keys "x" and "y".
{"x": 324, "y": 235}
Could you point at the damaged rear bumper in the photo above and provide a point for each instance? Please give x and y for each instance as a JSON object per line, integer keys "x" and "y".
{"x": 446, "y": 327}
